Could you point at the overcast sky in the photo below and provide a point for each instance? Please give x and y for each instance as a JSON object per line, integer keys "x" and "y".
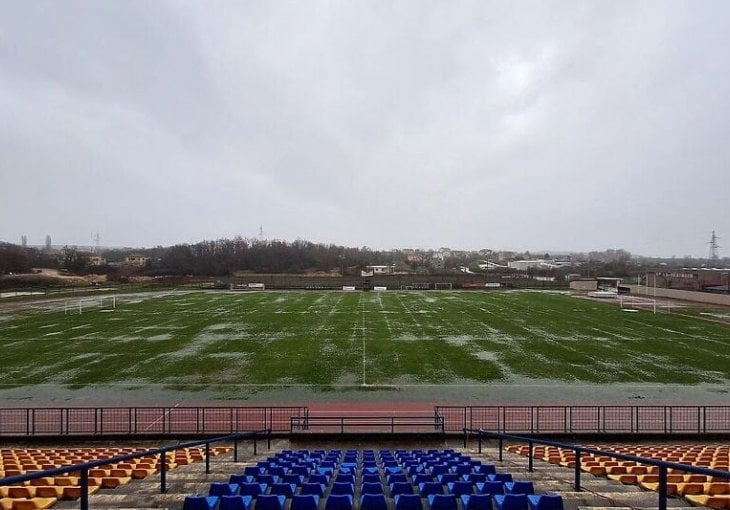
{"x": 506, "y": 125}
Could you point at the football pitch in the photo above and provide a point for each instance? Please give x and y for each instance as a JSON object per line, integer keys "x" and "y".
{"x": 272, "y": 344}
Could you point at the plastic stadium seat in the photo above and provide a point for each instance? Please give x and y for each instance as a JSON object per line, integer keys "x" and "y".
{"x": 294, "y": 479}
{"x": 253, "y": 489}
{"x": 545, "y": 502}
{"x": 442, "y": 502}
{"x": 408, "y": 502}
{"x": 396, "y": 478}
{"x": 345, "y": 478}
{"x": 235, "y": 503}
{"x": 304, "y": 502}
{"x": 459, "y": 488}
{"x": 267, "y": 479}
{"x": 476, "y": 502}
{"x": 422, "y": 478}
{"x": 372, "y": 488}
{"x": 487, "y": 469}
{"x": 475, "y": 477}
{"x": 371, "y": 478}
{"x": 319, "y": 478}
{"x": 429, "y": 488}
{"x": 500, "y": 477}
{"x": 312, "y": 488}
{"x": 283, "y": 489}
{"x": 449, "y": 478}
{"x": 373, "y": 502}
{"x": 338, "y": 502}
{"x": 399, "y": 488}
{"x": 519, "y": 487}
{"x": 510, "y": 501}
{"x": 490, "y": 487}
{"x": 340, "y": 488}
{"x": 270, "y": 502}
{"x": 223, "y": 489}
{"x": 198, "y": 502}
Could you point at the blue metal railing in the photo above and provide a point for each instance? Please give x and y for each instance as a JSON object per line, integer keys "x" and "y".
{"x": 84, "y": 468}
{"x": 578, "y": 450}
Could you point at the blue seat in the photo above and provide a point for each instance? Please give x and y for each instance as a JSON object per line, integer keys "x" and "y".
{"x": 519, "y": 487}
{"x": 545, "y": 502}
{"x": 475, "y": 477}
{"x": 487, "y": 469}
{"x": 277, "y": 471}
{"x": 283, "y": 489}
{"x": 339, "y": 488}
{"x": 304, "y": 502}
{"x": 396, "y": 478}
{"x": 373, "y": 502}
{"x": 372, "y": 488}
{"x": 241, "y": 479}
{"x": 235, "y": 503}
{"x": 408, "y": 502}
{"x": 459, "y": 488}
{"x": 442, "y": 502}
{"x": 490, "y": 487}
{"x": 270, "y": 502}
{"x": 429, "y": 488}
{"x": 295, "y": 479}
{"x": 399, "y": 488}
{"x": 267, "y": 479}
{"x": 312, "y": 488}
{"x": 198, "y": 502}
{"x": 476, "y": 501}
{"x": 319, "y": 478}
{"x": 448, "y": 478}
{"x": 420, "y": 478}
{"x": 253, "y": 470}
{"x": 500, "y": 477}
{"x": 252, "y": 489}
{"x": 223, "y": 489}
{"x": 370, "y": 478}
{"x": 510, "y": 501}
{"x": 345, "y": 478}
{"x": 338, "y": 502}
{"x": 369, "y": 470}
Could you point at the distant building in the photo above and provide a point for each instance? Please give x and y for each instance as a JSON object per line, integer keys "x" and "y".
{"x": 97, "y": 260}
{"x": 136, "y": 260}
{"x": 380, "y": 270}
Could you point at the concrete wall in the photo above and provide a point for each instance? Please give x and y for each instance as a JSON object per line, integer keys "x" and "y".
{"x": 584, "y": 285}
{"x": 685, "y": 295}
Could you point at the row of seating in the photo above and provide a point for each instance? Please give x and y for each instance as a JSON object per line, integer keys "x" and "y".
{"x": 46, "y": 491}
{"x": 335, "y": 480}
{"x": 699, "y": 489}
{"x": 377, "y": 502}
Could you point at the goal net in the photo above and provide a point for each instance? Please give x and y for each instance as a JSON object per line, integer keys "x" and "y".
{"x": 442, "y": 286}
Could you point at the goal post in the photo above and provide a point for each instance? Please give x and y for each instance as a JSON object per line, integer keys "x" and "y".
{"x": 443, "y": 286}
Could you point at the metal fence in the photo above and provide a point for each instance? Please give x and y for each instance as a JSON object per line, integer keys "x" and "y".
{"x": 588, "y": 419}
{"x": 99, "y": 421}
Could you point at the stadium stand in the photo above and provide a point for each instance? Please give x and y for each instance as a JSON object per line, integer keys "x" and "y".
{"x": 414, "y": 479}
{"x": 47, "y": 491}
{"x": 698, "y": 489}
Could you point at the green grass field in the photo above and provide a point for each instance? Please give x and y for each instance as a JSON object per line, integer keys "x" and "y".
{"x": 357, "y": 340}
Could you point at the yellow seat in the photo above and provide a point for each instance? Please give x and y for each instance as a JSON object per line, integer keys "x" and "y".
{"x": 719, "y": 502}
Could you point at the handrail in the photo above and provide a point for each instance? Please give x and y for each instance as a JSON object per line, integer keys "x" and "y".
{"x": 84, "y": 468}
{"x": 663, "y": 466}
{"x": 392, "y": 422}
